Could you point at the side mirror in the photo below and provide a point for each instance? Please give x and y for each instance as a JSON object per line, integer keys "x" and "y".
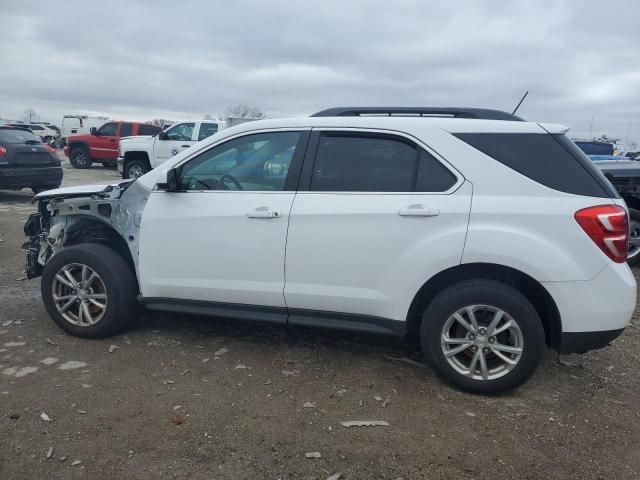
{"x": 163, "y": 136}
{"x": 94, "y": 131}
{"x": 170, "y": 181}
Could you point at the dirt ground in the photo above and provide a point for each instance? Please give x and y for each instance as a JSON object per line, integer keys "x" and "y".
{"x": 159, "y": 402}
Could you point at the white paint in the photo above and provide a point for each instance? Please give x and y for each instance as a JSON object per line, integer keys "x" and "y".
{"x": 49, "y": 360}
{"x": 72, "y": 365}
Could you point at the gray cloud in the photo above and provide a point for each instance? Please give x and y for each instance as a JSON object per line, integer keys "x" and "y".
{"x": 134, "y": 60}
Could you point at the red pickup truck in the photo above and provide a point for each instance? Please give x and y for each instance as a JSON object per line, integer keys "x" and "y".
{"x": 102, "y": 144}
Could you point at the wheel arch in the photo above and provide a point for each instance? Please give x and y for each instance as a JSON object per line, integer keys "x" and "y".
{"x": 136, "y": 155}
{"x": 78, "y": 143}
{"x": 88, "y": 229}
{"x": 533, "y": 290}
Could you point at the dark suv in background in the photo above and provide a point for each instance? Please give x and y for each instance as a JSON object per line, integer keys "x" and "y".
{"x": 26, "y": 162}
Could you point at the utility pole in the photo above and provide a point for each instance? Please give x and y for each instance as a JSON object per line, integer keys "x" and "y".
{"x": 591, "y": 128}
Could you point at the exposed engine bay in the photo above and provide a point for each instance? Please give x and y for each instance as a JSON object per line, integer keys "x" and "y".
{"x": 107, "y": 214}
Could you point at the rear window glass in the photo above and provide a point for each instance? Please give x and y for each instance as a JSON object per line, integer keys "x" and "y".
{"x": 17, "y": 136}
{"x": 552, "y": 160}
{"x": 126, "y": 129}
{"x": 145, "y": 129}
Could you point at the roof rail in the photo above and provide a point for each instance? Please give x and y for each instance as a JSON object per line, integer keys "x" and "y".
{"x": 475, "y": 113}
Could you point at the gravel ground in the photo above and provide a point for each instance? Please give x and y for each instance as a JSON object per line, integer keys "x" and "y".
{"x": 194, "y": 398}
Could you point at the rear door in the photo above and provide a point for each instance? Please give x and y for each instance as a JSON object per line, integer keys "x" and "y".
{"x": 376, "y": 216}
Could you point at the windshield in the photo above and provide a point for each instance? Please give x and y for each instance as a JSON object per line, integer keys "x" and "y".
{"x": 17, "y": 136}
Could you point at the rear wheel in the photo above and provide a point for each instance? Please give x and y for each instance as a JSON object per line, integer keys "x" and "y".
{"x": 633, "y": 256}
{"x": 482, "y": 336}
{"x": 89, "y": 291}
{"x": 136, "y": 168}
{"x": 79, "y": 157}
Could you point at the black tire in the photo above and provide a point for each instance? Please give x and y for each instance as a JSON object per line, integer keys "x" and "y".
{"x": 118, "y": 278}
{"x": 135, "y": 165}
{"x": 80, "y": 158}
{"x": 494, "y": 294}
{"x": 633, "y": 257}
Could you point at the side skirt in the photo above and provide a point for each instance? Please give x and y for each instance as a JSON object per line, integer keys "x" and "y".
{"x": 280, "y": 315}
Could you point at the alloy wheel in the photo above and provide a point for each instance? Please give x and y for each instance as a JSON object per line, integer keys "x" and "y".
{"x": 482, "y": 342}
{"x": 79, "y": 294}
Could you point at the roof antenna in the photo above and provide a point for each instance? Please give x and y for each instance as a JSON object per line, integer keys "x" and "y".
{"x": 520, "y": 102}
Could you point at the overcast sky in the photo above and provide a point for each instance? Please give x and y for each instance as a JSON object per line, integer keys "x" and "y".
{"x": 175, "y": 59}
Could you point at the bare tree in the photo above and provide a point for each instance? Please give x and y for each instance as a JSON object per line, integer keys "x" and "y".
{"x": 207, "y": 117}
{"x": 161, "y": 122}
{"x": 244, "y": 111}
{"x": 29, "y": 115}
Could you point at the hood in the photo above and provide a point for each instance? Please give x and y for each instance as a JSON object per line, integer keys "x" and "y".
{"x": 137, "y": 139}
{"x": 82, "y": 190}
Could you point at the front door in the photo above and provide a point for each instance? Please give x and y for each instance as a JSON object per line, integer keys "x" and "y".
{"x": 105, "y": 144}
{"x": 179, "y": 137}
{"x": 221, "y": 238}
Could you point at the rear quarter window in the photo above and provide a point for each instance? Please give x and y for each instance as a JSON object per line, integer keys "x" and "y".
{"x": 551, "y": 160}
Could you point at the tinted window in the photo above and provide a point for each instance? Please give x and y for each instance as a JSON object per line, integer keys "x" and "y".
{"x": 35, "y": 127}
{"x": 432, "y": 175}
{"x": 148, "y": 129}
{"x": 253, "y": 162}
{"x": 346, "y": 163}
{"x": 17, "y": 136}
{"x": 108, "y": 129}
{"x": 181, "y": 131}
{"x": 206, "y": 130}
{"x": 595, "y": 148}
{"x": 126, "y": 129}
{"x": 552, "y": 160}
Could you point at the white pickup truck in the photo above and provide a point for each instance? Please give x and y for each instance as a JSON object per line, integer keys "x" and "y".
{"x": 140, "y": 154}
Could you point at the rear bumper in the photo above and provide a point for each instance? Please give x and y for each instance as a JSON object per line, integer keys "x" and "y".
{"x": 596, "y": 311}
{"x": 66, "y": 151}
{"x": 22, "y": 177}
{"x": 580, "y": 342}
{"x": 120, "y": 165}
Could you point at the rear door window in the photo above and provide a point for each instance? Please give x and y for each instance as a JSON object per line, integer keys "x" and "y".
{"x": 348, "y": 162}
{"x": 145, "y": 129}
{"x": 206, "y": 130}
{"x": 126, "y": 129}
{"x": 552, "y": 160}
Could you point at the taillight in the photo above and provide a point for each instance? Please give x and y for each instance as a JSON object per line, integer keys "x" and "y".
{"x": 608, "y": 227}
{"x": 51, "y": 149}
{"x": 3, "y": 151}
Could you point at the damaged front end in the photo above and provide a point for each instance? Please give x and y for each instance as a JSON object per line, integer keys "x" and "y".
{"x": 107, "y": 214}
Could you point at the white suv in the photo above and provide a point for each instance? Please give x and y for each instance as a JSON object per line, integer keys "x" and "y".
{"x": 482, "y": 235}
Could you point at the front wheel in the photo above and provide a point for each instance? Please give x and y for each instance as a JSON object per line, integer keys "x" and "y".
{"x": 136, "y": 168}
{"x": 482, "y": 336}
{"x": 89, "y": 291}
{"x": 79, "y": 157}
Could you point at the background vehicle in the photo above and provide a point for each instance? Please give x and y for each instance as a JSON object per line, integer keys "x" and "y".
{"x": 624, "y": 175}
{"x": 101, "y": 145}
{"x": 25, "y": 162}
{"x": 138, "y": 155}
{"x": 78, "y": 125}
{"x": 480, "y": 234}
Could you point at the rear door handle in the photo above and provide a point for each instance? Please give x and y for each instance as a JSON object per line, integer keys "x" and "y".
{"x": 186, "y": 146}
{"x": 418, "y": 211}
{"x": 264, "y": 212}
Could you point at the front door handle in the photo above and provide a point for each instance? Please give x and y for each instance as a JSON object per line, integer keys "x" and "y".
{"x": 418, "y": 211}
{"x": 186, "y": 146}
{"x": 264, "y": 212}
